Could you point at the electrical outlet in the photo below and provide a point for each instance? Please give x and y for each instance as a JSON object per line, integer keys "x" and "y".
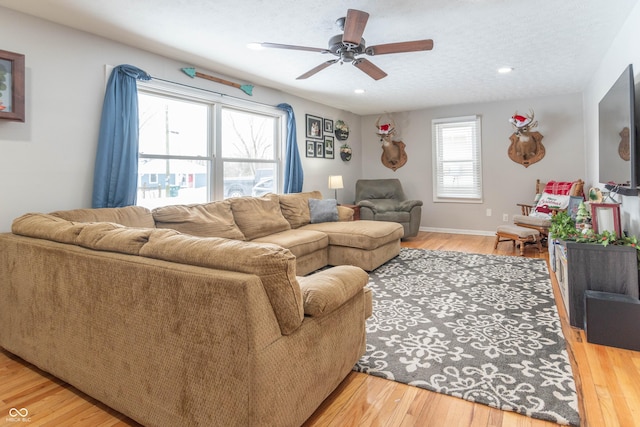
{"x": 505, "y": 217}
{"x": 488, "y": 212}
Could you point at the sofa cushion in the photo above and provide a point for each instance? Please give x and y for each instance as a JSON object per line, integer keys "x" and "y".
{"x": 367, "y": 235}
{"x": 295, "y": 207}
{"x": 213, "y": 219}
{"x": 48, "y": 227}
{"x": 299, "y": 242}
{"x": 108, "y": 236}
{"x": 131, "y": 216}
{"x": 327, "y": 290}
{"x": 323, "y": 210}
{"x": 258, "y": 216}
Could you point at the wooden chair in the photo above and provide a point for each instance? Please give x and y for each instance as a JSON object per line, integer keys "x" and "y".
{"x": 543, "y": 224}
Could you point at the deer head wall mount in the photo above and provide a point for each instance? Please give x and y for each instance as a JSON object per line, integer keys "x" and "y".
{"x": 526, "y": 146}
{"x": 393, "y": 153}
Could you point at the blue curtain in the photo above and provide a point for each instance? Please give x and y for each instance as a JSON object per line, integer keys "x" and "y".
{"x": 293, "y": 175}
{"x": 116, "y": 169}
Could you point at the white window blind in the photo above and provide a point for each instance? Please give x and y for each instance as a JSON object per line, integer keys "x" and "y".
{"x": 457, "y": 166}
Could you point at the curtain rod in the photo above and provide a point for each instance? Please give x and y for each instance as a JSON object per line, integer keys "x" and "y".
{"x": 212, "y": 91}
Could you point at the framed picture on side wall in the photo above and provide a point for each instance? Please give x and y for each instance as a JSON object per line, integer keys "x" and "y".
{"x": 311, "y": 148}
{"x": 328, "y": 147}
{"x": 11, "y": 86}
{"x": 319, "y": 149}
{"x": 314, "y": 126}
{"x": 328, "y": 126}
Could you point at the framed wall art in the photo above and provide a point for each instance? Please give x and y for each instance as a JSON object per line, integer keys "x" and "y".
{"x": 11, "y": 86}
{"x": 319, "y": 149}
{"x": 606, "y": 217}
{"x": 314, "y": 126}
{"x": 328, "y": 126}
{"x": 311, "y": 148}
{"x": 328, "y": 147}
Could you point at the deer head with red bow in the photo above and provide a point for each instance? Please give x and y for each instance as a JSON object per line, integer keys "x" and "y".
{"x": 393, "y": 154}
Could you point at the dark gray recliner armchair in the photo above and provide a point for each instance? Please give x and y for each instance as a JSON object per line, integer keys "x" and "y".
{"x": 384, "y": 200}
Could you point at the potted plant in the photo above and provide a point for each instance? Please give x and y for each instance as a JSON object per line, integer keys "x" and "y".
{"x": 563, "y": 227}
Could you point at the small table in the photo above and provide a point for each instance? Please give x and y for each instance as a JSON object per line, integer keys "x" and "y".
{"x": 356, "y": 210}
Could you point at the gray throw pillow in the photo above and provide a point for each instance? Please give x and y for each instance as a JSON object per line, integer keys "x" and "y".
{"x": 323, "y": 210}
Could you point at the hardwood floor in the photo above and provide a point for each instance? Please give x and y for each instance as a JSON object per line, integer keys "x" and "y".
{"x": 608, "y": 381}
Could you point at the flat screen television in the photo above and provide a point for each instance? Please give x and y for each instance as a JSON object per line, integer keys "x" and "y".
{"x": 618, "y": 152}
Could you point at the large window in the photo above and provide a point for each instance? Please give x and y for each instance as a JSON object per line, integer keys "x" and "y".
{"x": 457, "y": 171}
{"x": 194, "y": 149}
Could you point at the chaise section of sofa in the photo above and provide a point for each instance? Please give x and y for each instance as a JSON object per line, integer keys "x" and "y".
{"x": 174, "y": 329}
{"x": 286, "y": 220}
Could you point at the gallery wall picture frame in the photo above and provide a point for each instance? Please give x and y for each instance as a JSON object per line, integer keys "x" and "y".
{"x": 328, "y": 126}
{"x": 11, "y": 86}
{"x": 314, "y": 126}
{"x": 606, "y": 217}
{"x": 328, "y": 147}
{"x": 319, "y": 149}
{"x": 311, "y": 148}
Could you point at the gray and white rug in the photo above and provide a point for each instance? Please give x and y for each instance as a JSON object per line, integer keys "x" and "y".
{"x": 480, "y": 327}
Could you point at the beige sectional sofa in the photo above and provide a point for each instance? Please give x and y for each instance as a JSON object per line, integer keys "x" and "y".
{"x": 155, "y": 316}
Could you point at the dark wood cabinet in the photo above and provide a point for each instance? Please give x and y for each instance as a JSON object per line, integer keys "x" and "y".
{"x": 584, "y": 266}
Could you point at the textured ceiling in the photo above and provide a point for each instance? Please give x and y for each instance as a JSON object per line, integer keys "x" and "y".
{"x": 554, "y": 46}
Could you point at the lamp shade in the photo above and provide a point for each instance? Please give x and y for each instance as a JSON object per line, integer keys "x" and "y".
{"x": 335, "y": 182}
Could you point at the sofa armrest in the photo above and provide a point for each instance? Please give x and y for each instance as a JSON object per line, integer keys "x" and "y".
{"x": 327, "y": 290}
{"x": 345, "y": 213}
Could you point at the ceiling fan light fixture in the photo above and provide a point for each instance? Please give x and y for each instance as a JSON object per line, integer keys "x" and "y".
{"x": 350, "y": 46}
{"x": 359, "y": 91}
{"x": 255, "y": 46}
{"x": 505, "y": 70}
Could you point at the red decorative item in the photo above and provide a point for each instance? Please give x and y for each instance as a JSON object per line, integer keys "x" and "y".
{"x": 606, "y": 217}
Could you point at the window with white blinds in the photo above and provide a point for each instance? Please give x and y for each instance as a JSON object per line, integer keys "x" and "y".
{"x": 457, "y": 166}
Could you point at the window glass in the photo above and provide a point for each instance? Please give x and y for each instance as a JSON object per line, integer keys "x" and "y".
{"x": 172, "y": 126}
{"x": 457, "y": 171}
{"x": 194, "y": 150}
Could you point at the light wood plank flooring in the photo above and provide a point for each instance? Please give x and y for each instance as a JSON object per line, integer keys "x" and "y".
{"x": 608, "y": 381}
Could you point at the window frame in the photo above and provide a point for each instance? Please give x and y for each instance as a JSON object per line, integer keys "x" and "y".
{"x": 440, "y": 193}
{"x": 216, "y": 102}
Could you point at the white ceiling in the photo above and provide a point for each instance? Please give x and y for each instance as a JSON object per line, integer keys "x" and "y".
{"x": 554, "y": 46}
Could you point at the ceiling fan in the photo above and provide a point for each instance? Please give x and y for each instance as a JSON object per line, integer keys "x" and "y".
{"x": 349, "y": 46}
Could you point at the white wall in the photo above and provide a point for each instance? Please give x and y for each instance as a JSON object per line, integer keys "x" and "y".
{"x": 623, "y": 51}
{"x": 505, "y": 182}
{"x": 47, "y": 162}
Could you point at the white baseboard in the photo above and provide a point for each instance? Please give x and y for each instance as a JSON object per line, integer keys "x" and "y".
{"x": 458, "y": 231}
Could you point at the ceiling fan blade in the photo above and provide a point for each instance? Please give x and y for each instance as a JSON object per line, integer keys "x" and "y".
{"x": 368, "y": 67}
{"x": 292, "y": 47}
{"x": 413, "y": 46}
{"x": 319, "y": 68}
{"x": 354, "y": 26}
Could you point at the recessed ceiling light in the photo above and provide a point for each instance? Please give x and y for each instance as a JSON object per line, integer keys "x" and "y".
{"x": 358, "y": 91}
{"x": 505, "y": 70}
{"x": 255, "y": 46}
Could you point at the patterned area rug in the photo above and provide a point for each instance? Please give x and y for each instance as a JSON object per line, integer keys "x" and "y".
{"x": 480, "y": 327}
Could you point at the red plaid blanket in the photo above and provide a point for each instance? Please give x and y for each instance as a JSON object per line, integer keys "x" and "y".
{"x": 556, "y": 187}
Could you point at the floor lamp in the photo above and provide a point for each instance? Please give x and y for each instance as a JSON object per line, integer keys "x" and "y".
{"x": 335, "y": 182}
